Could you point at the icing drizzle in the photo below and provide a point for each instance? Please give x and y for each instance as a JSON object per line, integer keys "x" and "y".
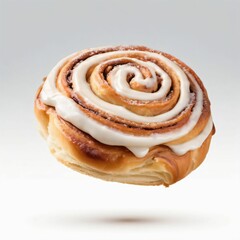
{"x": 138, "y": 145}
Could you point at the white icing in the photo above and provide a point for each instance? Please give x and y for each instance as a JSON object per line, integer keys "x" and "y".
{"x": 119, "y": 74}
{"x": 139, "y": 151}
{"x": 139, "y": 145}
{"x": 83, "y": 89}
{"x": 195, "y": 142}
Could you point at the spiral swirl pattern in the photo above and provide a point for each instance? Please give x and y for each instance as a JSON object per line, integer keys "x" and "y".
{"x": 131, "y": 96}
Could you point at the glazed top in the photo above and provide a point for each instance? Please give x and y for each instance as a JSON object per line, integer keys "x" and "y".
{"x": 139, "y": 75}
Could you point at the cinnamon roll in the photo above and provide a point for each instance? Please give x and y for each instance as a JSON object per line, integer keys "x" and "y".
{"x": 128, "y": 114}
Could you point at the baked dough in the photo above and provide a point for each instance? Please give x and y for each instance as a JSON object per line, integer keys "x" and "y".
{"x": 128, "y": 114}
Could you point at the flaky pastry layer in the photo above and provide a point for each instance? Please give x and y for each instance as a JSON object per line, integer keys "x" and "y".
{"x": 82, "y": 153}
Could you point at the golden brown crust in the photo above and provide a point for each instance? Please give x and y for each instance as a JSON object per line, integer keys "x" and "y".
{"x": 79, "y": 151}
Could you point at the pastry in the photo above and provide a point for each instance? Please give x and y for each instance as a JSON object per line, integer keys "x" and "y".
{"x": 127, "y": 114}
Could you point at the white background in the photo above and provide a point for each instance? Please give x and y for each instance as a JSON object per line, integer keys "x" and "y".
{"x": 40, "y": 198}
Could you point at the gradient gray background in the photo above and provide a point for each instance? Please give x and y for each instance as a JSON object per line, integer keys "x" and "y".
{"x": 41, "y": 199}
